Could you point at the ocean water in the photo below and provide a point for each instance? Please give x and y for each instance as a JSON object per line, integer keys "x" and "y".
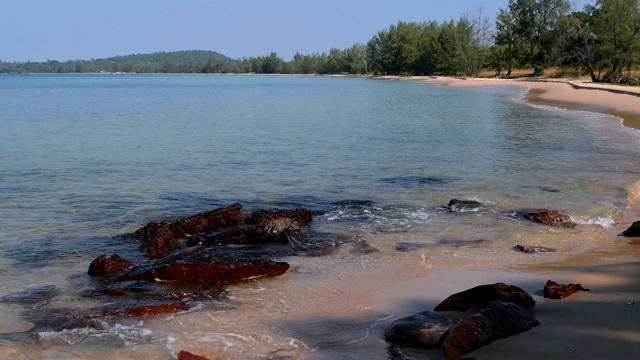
{"x": 87, "y": 159}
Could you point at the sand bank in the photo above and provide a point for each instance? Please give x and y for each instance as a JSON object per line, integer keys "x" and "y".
{"x": 620, "y": 101}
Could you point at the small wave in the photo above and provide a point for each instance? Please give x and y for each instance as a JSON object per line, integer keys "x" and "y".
{"x": 604, "y": 221}
{"x": 387, "y": 218}
{"x": 128, "y": 334}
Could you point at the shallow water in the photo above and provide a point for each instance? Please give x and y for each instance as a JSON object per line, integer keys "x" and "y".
{"x": 87, "y": 158}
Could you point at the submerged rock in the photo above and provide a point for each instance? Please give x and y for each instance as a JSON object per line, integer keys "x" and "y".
{"x": 185, "y": 355}
{"x": 530, "y": 249}
{"x": 107, "y": 267}
{"x": 32, "y": 296}
{"x": 424, "y": 330}
{"x": 456, "y": 205}
{"x": 465, "y": 300}
{"x": 549, "y": 218}
{"x": 484, "y": 324}
{"x": 553, "y": 290}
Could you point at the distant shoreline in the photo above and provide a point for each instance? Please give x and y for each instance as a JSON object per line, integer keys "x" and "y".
{"x": 620, "y": 101}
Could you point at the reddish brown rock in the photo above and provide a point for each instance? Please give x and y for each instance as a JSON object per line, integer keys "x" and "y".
{"x": 484, "y": 324}
{"x": 207, "y": 267}
{"x": 301, "y": 215}
{"x": 268, "y": 230}
{"x": 553, "y": 290}
{"x": 550, "y": 218}
{"x": 185, "y": 355}
{"x": 633, "y": 230}
{"x": 150, "y": 310}
{"x": 465, "y": 300}
{"x": 162, "y": 238}
{"x": 107, "y": 267}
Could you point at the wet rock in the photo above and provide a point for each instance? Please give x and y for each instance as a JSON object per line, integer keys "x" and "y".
{"x": 107, "y": 267}
{"x": 553, "y": 290}
{"x": 423, "y": 330}
{"x": 185, "y": 355}
{"x": 410, "y": 181}
{"x": 141, "y": 308}
{"x": 301, "y": 215}
{"x": 549, "y": 218}
{"x": 530, "y": 249}
{"x": 465, "y": 300}
{"x": 407, "y": 246}
{"x": 633, "y": 230}
{"x": 268, "y": 230}
{"x": 456, "y": 205}
{"x": 484, "y": 324}
{"x": 32, "y": 296}
{"x": 208, "y": 266}
{"x": 162, "y": 238}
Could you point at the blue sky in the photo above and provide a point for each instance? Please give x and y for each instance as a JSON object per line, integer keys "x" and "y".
{"x": 39, "y": 30}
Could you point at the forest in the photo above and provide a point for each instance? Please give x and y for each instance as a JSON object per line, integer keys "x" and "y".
{"x": 601, "y": 40}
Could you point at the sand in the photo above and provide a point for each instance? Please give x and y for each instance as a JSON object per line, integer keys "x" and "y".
{"x": 601, "y": 324}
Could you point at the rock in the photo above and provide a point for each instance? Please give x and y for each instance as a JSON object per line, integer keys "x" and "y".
{"x": 207, "y": 266}
{"x": 139, "y": 308}
{"x": 456, "y": 205}
{"x": 301, "y": 215}
{"x": 484, "y": 324}
{"x": 553, "y": 290}
{"x": 633, "y": 230}
{"x": 550, "y": 218}
{"x": 32, "y": 296}
{"x": 185, "y": 355}
{"x": 269, "y": 230}
{"x": 530, "y": 249}
{"x": 162, "y": 238}
{"x": 464, "y": 300}
{"x": 423, "y": 330}
{"x": 107, "y": 267}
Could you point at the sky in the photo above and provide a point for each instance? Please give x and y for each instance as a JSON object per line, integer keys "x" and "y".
{"x": 40, "y": 30}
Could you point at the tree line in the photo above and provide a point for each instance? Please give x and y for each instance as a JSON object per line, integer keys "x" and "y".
{"x": 602, "y": 40}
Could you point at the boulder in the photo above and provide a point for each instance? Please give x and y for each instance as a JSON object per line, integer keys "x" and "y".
{"x": 553, "y": 290}
{"x": 107, "y": 267}
{"x": 301, "y": 215}
{"x": 207, "y": 266}
{"x": 465, "y": 300}
{"x": 484, "y": 324}
{"x": 456, "y": 205}
{"x": 162, "y": 238}
{"x": 633, "y": 230}
{"x": 549, "y": 218}
{"x": 423, "y": 330}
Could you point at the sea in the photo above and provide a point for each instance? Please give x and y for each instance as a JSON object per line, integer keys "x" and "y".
{"x": 87, "y": 159}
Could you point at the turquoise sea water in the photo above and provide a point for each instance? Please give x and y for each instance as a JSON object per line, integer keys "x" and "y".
{"x": 85, "y": 158}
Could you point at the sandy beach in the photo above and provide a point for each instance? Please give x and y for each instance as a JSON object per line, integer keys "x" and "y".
{"x": 600, "y": 324}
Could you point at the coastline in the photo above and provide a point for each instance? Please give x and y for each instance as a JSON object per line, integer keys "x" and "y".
{"x": 598, "y": 324}
{"x": 615, "y": 100}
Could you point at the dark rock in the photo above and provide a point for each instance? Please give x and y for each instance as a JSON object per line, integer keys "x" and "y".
{"x": 530, "y": 249}
{"x": 550, "y": 218}
{"x": 140, "y": 308}
{"x": 409, "y": 181}
{"x": 301, "y": 215}
{"x": 270, "y": 230}
{"x": 633, "y": 230}
{"x": 207, "y": 266}
{"x": 406, "y": 246}
{"x": 107, "y": 267}
{"x": 464, "y": 300}
{"x": 484, "y": 324}
{"x": 553, "y": 290}
{"x": 32, "y": 296}
{"x": 185, "y": 355}
{"x": 423, "y": 330}
{"x": 162, "y": 238}
{"x": 456, "y": 205}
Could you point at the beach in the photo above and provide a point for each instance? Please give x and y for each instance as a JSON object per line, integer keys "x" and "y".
{"x": 600, "y": 324}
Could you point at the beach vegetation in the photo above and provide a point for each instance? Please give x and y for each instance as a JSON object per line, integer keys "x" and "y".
{"x": 601, "y": 40}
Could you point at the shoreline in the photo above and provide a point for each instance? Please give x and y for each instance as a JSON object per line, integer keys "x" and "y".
{"x": 615, "y": 100}
{"x": 598, "y": 324}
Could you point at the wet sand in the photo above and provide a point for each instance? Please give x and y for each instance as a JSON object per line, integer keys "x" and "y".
{"x": 600, "y": 324}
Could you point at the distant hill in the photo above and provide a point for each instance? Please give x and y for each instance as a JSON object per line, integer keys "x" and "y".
{"x": 188, "y": 61}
